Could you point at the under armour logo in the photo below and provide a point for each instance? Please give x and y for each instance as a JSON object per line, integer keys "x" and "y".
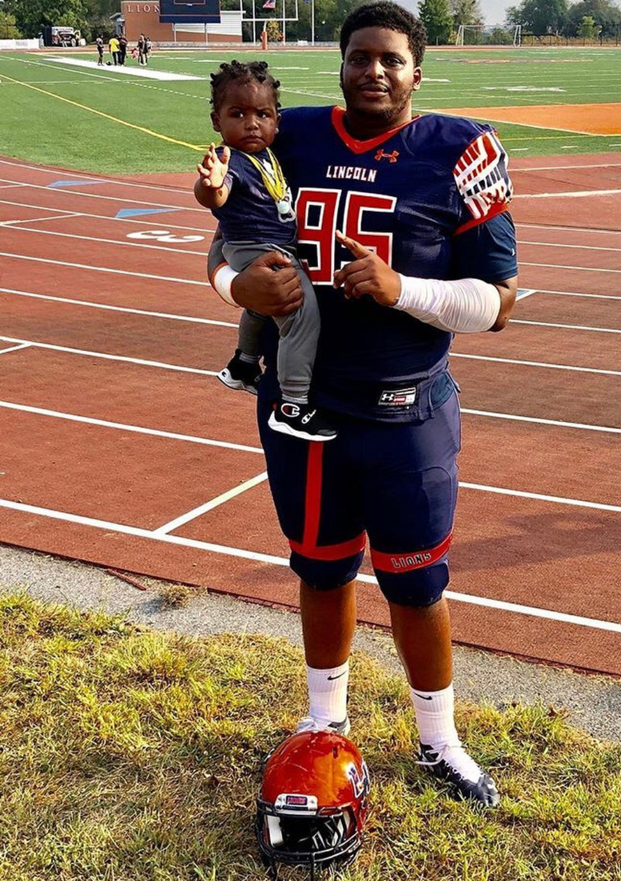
{"x": 392, "y": 157}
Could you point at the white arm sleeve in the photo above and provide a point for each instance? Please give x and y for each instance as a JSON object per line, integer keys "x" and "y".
{"x": 467, "y": 305}
{"x": 222, "y": 281}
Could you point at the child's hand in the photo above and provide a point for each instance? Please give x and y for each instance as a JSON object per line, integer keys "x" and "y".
{"x": 213, "y": 169}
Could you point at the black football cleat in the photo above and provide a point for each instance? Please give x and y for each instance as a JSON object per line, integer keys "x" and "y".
{"x": 241, "y": 375}
{"x": 446, "y": 764}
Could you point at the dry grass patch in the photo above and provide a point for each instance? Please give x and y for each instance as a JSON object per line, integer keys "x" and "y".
{"x": 133, "y": 756}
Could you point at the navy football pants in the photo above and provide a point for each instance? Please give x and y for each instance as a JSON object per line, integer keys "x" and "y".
{"x": 393, "y": 482}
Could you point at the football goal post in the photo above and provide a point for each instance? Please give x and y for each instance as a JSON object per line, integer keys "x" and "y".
{"x": 486, "y": 35}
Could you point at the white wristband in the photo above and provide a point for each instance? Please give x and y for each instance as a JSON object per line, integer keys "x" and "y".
{"x": 467, "y": 305}
{"x": 222, "y": 281}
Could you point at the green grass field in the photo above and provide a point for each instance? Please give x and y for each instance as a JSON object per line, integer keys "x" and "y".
{"x": 129, "y": 755}
{"x": 37, "y": 125}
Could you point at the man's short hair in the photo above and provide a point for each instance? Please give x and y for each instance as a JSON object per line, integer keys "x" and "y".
{"x": 390, "y": 16}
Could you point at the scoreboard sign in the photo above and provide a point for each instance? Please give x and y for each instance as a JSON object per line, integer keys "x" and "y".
{"x": 191, "y": 11}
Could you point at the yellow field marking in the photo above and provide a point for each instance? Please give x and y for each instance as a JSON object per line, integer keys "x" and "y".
{"x": 140, "y": 128}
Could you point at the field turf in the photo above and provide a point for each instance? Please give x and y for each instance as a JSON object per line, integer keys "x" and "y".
{"x": 113, "y": 123}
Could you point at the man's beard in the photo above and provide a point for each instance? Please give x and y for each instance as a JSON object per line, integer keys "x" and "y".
{"x": 385, "y": 114}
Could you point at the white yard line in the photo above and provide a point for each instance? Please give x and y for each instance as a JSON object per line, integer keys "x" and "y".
{"x": 125, "y": 71}
{"x": 241, "y": 553}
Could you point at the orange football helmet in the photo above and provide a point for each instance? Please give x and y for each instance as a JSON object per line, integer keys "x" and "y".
{"x": 313, "y": 801}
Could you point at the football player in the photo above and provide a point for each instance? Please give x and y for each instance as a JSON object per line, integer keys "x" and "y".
{"x": 405, "y": 227}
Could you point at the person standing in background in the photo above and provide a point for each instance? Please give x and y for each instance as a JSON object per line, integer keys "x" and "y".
{"x": 122, "y": 49}
{"x": 114, "y": 50}
{"x": 100, "y": 50}
{"x": 141, "y": 45}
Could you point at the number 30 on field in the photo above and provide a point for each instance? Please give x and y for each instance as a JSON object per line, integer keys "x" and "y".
{"x": 163, "y": 235}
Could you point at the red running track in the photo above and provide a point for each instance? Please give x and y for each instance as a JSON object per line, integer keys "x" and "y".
{"x": 119, "y": 446}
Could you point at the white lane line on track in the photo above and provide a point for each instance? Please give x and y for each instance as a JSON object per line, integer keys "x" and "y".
{"x": 573, "y": 247}
{"x": 122, "y": 426}
{"x": 196, "y": 320}
{"x": 140, "y": 361}
{"x": 56, "y": 348}
{"x": 576, "y": 194}
{"x": 545, "y": 227}
{"x": 67, "y": 235}
{"x": 567, "y": 266}
{"x": 566, "y": 326}
{"x": 85, "y": 177}
{"x": 531, "y": 364}
{"x": 539, "y": 420}
{"x": 283, "y": 561}
{"x": 555, "y": 168}
{"x": 14, "y": 348}
{"x": 64, "y": 216}
{"x": 203, "y": 284}
{"x": 73, "y": 191}
{"x": 146, "y": 221}
{"x": 145, "y": 312}
{"x": 541, "y": 497}
{"x": 580, "y": 294}
{"x": 209, "y": 506}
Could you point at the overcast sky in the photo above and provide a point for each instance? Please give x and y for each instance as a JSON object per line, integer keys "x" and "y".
{"x": 493, "y": 10}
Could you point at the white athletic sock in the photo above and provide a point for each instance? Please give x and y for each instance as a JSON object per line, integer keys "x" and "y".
{"x": 327, "y": 692}
{"x": 295, "y": 399}
{"x": 436, "y": 728}
{"x": 434, "y": 717}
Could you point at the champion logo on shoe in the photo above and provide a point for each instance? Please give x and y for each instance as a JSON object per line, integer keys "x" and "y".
{"x": 308, "y": 417}
{"x": 290, "y": 410}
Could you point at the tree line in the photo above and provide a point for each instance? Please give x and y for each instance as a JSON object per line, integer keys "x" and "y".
{"x": 442, "y": 18}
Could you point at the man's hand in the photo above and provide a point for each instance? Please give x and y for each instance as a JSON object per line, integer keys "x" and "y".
{"x": 367, "y": 274}
{"x": 213, "y": 169}
{"x": 270, "y": 285}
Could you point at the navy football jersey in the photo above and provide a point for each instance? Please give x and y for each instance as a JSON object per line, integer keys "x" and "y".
{"x": 430, "y": 198}
{"x": 250, "y": 214}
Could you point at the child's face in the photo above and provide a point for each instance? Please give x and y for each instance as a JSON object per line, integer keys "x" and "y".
{"x": 247, "y": 118}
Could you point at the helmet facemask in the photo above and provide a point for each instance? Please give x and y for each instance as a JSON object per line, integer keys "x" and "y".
{"x": 313, "y": 803}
